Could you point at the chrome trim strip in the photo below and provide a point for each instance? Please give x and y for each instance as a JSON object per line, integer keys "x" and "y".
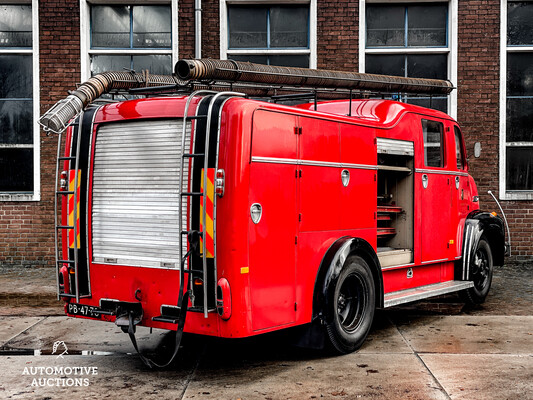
{"x": 294, "y": 161}
{"x": 398, "y": 266}
{"x": 439, "y": 172}
{"x": 435, "y": 261}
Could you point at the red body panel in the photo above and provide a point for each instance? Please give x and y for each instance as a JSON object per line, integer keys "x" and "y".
{"x": 290, "y": 160}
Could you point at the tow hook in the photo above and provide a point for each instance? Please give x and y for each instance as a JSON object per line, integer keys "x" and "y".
{"x": 124, "y": 311}
{"x": 128, "y": 318}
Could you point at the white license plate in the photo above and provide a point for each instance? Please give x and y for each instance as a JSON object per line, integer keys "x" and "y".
{"x": 84, "y": 310}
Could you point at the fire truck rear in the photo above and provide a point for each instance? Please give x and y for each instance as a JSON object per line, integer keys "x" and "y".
{"x": 216, "y": 214}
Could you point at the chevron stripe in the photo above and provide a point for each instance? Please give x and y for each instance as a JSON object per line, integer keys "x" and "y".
{"x": 209, "y": 229}
{"x": 71, "y": 182}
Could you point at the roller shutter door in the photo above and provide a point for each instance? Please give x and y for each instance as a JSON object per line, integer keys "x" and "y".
{"x": 136, "y": 193}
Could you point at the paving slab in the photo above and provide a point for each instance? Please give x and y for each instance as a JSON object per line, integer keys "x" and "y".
{"x": 103, "y": 377}
{"x": 384, "y": 337}
{"x": 11, "y": 327}
{"x": 356, "y": 375}
{"x": 483, "y": 377}
{"x": 468, "y": 334}
{"x": 84, "y": 335}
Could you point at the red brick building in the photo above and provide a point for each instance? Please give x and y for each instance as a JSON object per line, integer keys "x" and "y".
{"x": 485, "y": 47}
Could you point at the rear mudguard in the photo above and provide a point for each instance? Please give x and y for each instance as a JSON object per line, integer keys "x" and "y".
{"x": 480, "y": 223}
{"x": 331, "y": 267}
{"x": 312, "y": 335}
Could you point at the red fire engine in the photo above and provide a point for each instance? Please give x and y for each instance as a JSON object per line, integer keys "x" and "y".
{"x": 249, "y": 216}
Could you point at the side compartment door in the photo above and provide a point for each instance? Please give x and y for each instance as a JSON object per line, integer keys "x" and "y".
{"x": 272, "y": 238}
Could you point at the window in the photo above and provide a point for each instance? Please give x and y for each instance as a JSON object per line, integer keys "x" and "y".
{"x": 516, "y": 171}
{"x": 459, "y": 154}
{"x": 273, "y": 34}
{"x": 136, "y": 37}
{"x": 19, "y": 133}
{"x": 433, "y": 149}
{"x": 410, "y": 40}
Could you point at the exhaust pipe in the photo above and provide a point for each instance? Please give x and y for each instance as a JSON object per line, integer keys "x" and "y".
{"x": 238, "y": 71}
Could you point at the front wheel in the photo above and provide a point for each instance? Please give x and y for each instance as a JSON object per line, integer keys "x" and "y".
{"x": 480, "y": 273}
{"x": 353, "y": 306}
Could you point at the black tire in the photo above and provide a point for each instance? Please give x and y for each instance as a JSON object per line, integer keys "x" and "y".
{"x": 481, "y": 268}
{"x": 353, "y": 304}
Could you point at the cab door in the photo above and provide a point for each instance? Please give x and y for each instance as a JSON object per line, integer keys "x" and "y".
{"x": 272, "y": 235}
{"x": 460, "y": 193}
{"x": 434, "y": 190}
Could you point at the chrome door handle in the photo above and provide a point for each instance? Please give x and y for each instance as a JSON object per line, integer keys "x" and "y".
{"x": 425, "y": 181}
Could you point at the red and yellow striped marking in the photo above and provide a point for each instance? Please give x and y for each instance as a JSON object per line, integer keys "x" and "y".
{"x": 71, "y": 182}
{"x": 208, "y": 230}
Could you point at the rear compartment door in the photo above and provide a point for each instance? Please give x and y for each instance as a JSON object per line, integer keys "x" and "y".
{"x": 273, "y": 237}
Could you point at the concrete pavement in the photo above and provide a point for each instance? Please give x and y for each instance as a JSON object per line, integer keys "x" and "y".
{"x": 431, "y": 350}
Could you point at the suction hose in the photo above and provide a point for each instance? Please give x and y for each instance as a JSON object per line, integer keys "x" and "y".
{"x": 56, "y": 119}
{"x": 229, "y": 70}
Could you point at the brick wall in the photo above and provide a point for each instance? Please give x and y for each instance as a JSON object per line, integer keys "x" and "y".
{"x": 210, "y": 29}
{"x": 27, "y": 228}
{"x": 478, "y": 112}
{"x": 338, "y": 35}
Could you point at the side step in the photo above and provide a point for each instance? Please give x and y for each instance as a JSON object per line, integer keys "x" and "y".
{"x": 171, "y": 313}
{"x": 423, "y": 292}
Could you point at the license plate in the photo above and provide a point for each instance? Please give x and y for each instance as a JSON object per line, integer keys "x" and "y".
{"x": 84, "y": 310}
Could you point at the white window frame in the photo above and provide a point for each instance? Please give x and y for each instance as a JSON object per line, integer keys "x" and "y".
{"x": 85, "y": 33}
{"x": 451, "y": 50}
{"x": 34, "y": 51}
{"x": 504, "y": 194}
{"x": 312, "y": 30}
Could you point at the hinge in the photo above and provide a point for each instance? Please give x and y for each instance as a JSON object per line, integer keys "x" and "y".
{"x": 295, "y": 130}
{"x": 300, "y": 130}
{"x": 296, "y": 240}
{"x": 300, "y": 217}
{"x": 295, "y": 306}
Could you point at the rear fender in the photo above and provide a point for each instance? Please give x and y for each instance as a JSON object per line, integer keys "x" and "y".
{"x": 331, "y": 267}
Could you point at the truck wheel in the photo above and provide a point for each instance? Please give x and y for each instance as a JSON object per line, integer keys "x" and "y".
{"x": 353, "y": 306}
{"x": 480, "y": 273}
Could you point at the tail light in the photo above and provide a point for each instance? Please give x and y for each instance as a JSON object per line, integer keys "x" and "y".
{"x": 63, "y": 183}
{"x": 220, "y": 182}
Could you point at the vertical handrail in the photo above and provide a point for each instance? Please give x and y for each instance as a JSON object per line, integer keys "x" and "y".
{"x": 75, "y": 206}
{"x": 56, "y": 188}
{"x": 181, "y": 182}
{"x": 204, "y": 193}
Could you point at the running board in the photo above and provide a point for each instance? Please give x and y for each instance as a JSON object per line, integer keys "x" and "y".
{"x": 423, "y": 292}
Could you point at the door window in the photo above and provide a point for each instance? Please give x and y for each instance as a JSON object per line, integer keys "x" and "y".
{"x": 433, "y": 143}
